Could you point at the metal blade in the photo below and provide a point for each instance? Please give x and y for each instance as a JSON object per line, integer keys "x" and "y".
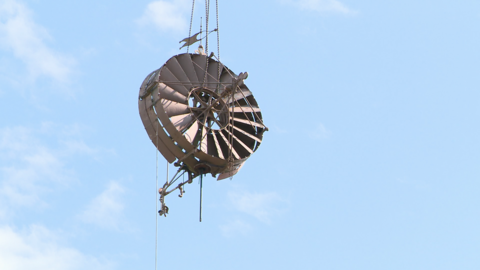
{"x": 204, "y": 141}
{"x": 191, "y": 132}
{"x": 246, "y": 109}
{"x": 240, "y": 142}
{"x": 217, "y": 145}
{"x": 178, "y": 72}
{"x": 229, "y": 145}
{"x": 247, "y": 134}
{"x": 213, "y": 75}
{"x": 252, "y": 123}
{"x": 239, "y": 95}
{"x": 183, "y": 121}
{"x": 169, "y": 93}
{"x": 173, "y": 108}
{"x": 167, "y": 77}
{"x": 186, "y": 62}
{"x": 226, "y": 78}
{"x": 199, "y": 63}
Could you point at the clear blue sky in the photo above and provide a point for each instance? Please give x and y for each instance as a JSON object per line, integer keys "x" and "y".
{"x": 371, "y": 161}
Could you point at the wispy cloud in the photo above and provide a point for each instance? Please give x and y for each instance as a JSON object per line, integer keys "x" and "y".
{"x": 30, "y": 167}
{"x": 38, "y": 248}
{"x": 27, "y": 40}
{"x": 320, "y": 132}
{"x": 262, "y": 206}
{"x": 165, "y": 15}
{"x": 322, "y": 6}
{"x": 235, "y": 227}
{"x": 106, "y": 210}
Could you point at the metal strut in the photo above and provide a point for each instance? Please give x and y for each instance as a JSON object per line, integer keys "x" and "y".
{"x": 163, "y": 191}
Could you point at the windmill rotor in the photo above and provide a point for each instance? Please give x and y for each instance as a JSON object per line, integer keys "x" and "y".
{"x": 201, "y": 115}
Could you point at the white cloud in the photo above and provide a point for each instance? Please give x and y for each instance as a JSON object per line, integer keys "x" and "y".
{"x": 106, "y": 210}
{"x": 263, "y": 206}
{"x": 23, "y": 184}
{"x": 38, "y": 248}
{"x": 79, "y": 146}
{"x": 319, "y": 133}
{"x": 165, "y": 15}
{"x": 322, "y": 6}
{"x": 29, "y": 169}
{"x": 20, "y": 35}
{"x": 235, "y": 227}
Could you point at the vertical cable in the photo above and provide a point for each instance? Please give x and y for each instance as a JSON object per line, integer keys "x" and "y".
{"x": 201, "y": 193}
{"x": 201, "y": 21}
{"x": 207, "y": 16}
{"x": 218, "y": 47}
{"x": 156, "y": 195}
{"x": 218, "y": 37}
{"x": 191, "y": 21}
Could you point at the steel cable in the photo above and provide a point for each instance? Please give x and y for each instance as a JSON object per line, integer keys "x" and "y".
{"x": 191, "y": 21}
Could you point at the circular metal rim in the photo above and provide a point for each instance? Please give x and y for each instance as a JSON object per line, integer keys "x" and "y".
{"x": 223, "y": 112}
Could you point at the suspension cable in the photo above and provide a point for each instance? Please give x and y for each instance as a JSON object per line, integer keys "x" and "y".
{"x": 207, "y": 17}
{"x": 191, "y": 21}
{"x": 156, "y": 195}
{"x": 207, "y": 11}
{"x": 217, "y": 90}
{"x": 201, "y": 193}
{"x": 218, "y": 40}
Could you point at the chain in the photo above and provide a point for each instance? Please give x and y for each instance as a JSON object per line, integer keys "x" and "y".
{"x": 207, "y": 16}
{"x": 218, "y": 43}
{"x": 191, "y": 21}
{"x": 207, "y": 10}
{"x": 218, "y": 34}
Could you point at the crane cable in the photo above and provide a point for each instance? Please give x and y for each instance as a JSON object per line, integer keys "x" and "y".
{"x": 207, "y": 11}
{"x": 156, "y": 194}
{"x": 191, "y": 21}
{"x": 207, "y": 19}
{"x": 218, "y": 42}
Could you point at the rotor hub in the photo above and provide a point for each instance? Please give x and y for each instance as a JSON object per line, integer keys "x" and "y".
{"x": 209, "y": 108}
